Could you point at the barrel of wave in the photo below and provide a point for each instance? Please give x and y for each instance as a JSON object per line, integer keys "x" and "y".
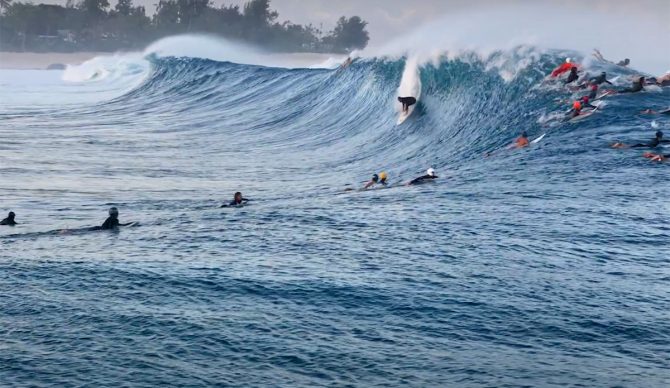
{"x": 410, "y": 86}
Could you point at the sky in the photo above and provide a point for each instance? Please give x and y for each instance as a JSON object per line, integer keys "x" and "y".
{"x": 391, "y": 18}
{"x": 615, "y": 25}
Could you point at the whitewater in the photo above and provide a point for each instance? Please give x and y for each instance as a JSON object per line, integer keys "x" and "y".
{"x": 545, "y": 266}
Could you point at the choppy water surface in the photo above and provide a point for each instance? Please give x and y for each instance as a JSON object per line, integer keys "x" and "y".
{"x": 541, "y": 267}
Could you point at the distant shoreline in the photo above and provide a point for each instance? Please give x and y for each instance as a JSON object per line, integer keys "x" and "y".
{"x": 40, "y": 61}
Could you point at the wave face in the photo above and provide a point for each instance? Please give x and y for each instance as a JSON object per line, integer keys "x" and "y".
{"x": 543, "y": 266}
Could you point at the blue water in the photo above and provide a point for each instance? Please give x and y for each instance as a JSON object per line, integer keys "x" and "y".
{"x": 546, "y": 266}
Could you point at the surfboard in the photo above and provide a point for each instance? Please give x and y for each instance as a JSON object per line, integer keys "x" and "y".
{"x": 539, "y": 139}
{"x": 403, "y": 116}
{"x": 410, "y": 85}
{"x": 597, "y": 104}
{"x": 605, "y": 94}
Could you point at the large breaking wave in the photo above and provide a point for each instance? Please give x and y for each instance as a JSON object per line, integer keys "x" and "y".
{"x": 345, "y": 119}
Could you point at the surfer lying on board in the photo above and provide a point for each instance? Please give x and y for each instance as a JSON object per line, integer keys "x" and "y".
{"x": 376, "y": 179}
{"x": 599, "y": 56}
{"x": 112, "y": 222}
{"x": 9, "y": 220}
{"x": 601, "y": 79}
{"x": 572, "y": 77}
{"x": 663, "y": 80}
{"x": 521, "y": 141}
{"x": 594, "y": 92}
{"x": 656, "y": 157}
{"x": 653, "y": 144}
{"x": 563, "y": 68}
{"x": 575, "y": 111}
{"x": 238, "y": 200}
{"x": 430, "y": 175}
{"x": 654, "y": 112}
{"x": 584, "y": 100}
{"x": 638, "y": 86}
{"x": 406, "y": 103}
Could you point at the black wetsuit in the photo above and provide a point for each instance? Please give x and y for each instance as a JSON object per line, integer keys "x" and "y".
{"x": 599, "y": 80}
{"x": 637, "y": 87}
{"x": 654, "y": 143}
{"x": 593, "y": 94}
{"x": 422, "y": 179}
{"x": 407, "y": 101}
{"x": 572, "y": 77}
{"x": 8, "y": 221}
{"x": 110, "y": 223}
{"x": 234, "y": 203}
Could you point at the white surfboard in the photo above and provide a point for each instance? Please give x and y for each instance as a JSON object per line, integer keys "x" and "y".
{"x": 410, "y": 85}
{"x": 606, "y": 93}
{"x": 538, "y": 139}
{"x": 586, "y": 114}
{"x": 403, "y": 116}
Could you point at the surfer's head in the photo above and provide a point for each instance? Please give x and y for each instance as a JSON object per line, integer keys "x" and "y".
{"x": 524, "y": 134}
{"x": 382, "y": 177}
{"x": 568, "y": 60}
{"x": 237, "y": 197}
{"x": 11, "y": 216}
{"x": 659, "y": 134}
{"x": 113, "y": 212}
{"x": 430, "y": 172}
{"x": 375, "y": 178}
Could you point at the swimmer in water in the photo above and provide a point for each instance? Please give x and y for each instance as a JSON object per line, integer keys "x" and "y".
{"x": 430, "y": 175}
{"x": 376, "y": 179}
{"x": 10, "y": 221}
{"x": 112, "y": 222}
{"x": 653, "y": 144}
{"x": 238, "y": 201}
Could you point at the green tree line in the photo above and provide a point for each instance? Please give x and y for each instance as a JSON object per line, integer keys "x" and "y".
{"x": 97, "y": 26}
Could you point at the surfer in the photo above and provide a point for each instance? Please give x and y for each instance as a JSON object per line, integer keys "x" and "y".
{"x": 575, "y": 111}
{"x": 112, "y": 222}
{"x": 624, "y": 63}
{"x": 653, "y": 144}
{"x": 563, "y": 68}
{"x": 430, "y": 175}
{"x": 637, "y": 86}
{"x": 584, "y": 100}
{"x": 238, "y": 201}
{"x": 656, "y": 157}
{"x": 655, "y": 112}
{"x": 602, "y": 78}
{"x": 572, "y": 77}
{"x": 406, "y": 103}
{"x": 663, "y": 80}
{"x": 599, "y": 56}
{"x": 376, "y": 179}
{"x": 346, "y": 63}
{"x": 9, "y": 220}
{"x": 521, "y": 141}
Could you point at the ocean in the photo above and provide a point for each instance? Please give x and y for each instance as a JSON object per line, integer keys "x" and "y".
{"x": 543, "y": 266}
